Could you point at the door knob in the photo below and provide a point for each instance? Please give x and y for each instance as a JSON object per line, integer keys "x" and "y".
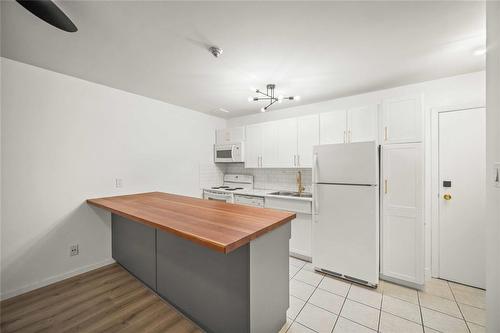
{"x": 447, "y": 196}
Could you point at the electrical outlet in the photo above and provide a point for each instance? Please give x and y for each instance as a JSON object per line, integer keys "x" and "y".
{"x": 74, "y": 250}
{"x": 118, "y": 183}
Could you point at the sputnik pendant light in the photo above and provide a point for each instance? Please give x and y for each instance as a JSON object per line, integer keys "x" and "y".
{"x": 270, "y": 97}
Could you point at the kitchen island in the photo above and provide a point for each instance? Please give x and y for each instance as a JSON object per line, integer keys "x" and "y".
{"x": 225, "y": 266}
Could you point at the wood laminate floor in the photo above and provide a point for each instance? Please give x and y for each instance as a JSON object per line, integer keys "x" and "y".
{"x": 108, "y": 299}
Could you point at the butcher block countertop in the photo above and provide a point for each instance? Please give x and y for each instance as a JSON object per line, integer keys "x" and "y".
{"x": 217, "y": 225}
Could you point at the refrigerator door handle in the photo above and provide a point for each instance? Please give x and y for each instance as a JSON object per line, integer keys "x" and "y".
{"x": 316, "y": 201}
{"x": 315, "y": 168}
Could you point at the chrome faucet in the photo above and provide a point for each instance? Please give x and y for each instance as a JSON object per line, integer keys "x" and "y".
{"x": 300, "y": 187}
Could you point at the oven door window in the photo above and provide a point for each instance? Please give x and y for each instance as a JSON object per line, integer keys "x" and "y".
{"x": 217, "y": 199}
{"x": 227, "y": 153}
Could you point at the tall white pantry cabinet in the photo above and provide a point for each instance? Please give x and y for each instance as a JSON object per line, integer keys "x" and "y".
{"x": 402, "y": 183}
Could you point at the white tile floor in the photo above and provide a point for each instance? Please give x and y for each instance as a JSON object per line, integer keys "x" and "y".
{"x": 320, "y": 303}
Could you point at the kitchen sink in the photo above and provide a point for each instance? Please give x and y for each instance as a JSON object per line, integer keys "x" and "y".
{"x": 293, "y": 194}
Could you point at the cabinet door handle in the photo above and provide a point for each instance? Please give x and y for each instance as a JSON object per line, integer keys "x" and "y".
{"x": 385, "y": 133}
{"x": 385, "y": 186}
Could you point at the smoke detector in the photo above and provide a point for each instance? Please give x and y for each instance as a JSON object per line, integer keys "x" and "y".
{"x": 216, "y": 52}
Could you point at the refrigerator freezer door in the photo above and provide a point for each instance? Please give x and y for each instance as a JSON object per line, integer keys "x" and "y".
{"x": 352, "y": 163}
{"x": 346, "y": 231}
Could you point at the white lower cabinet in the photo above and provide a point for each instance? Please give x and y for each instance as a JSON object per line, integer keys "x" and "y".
{"x": 402, "y": 225}
{"x": 301, "y": 240}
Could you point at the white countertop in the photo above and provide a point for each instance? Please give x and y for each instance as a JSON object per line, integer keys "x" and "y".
{"x": 265, "y": 193}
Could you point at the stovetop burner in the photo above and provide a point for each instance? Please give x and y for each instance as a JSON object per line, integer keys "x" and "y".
{"x": 234, "y": 188}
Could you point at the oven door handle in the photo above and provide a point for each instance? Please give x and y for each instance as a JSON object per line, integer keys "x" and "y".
{"x": 217, "y": 196}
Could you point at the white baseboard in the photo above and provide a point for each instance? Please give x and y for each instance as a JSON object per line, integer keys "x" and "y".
{"x": 300, "y": 256}
{"x": 428, "y": 273}
{"x": 54, "y": 279}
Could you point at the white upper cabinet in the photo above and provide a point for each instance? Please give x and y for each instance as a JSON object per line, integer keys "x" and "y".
{"x": 402, "y": 120}
{"x": 272, "y": 144}
{"x": 253, "y": 146}
{"x": 227, "y": 135}
{"x": 307, "y": 137}
{"x": 354, "y": 125}
{"x": 362, "y": 124}
{"x": 333, "y": 127}
{"x": 286, "y": 143}
{"x": 269, "y": 152}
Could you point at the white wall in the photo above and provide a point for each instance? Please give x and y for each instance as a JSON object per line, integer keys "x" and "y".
{"x": 65, "y": 140}
{"x": 493, "y": 155}
{"x": 453, "y": 91}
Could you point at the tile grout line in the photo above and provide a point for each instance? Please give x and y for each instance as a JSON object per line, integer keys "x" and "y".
{"x": 341, "y": 308}
{"x": 458, "y": 306}
{"x": 380, "y": 311}
{"x": 295, "y": 319}
{"x": 307, "y": 302}
{"x": 420, "y": 311}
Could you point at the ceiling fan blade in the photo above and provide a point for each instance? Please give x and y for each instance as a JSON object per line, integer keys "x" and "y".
{"x": 50, "y": 13}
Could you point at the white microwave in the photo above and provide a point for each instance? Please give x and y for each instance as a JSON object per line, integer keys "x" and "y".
{"x": 228, "y": 153}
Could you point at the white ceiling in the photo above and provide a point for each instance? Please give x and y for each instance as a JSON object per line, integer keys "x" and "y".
{"x": 318, "y": 50}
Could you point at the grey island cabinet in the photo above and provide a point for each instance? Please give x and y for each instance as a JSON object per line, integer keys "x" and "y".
{"x": 224, "y": 266}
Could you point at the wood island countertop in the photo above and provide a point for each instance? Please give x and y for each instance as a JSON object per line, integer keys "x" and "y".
{"x": 217, "y": 225}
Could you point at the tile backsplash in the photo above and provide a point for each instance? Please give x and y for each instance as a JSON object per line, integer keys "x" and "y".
{"x": 210, "y": 174}
{"x": 274, "y": 179}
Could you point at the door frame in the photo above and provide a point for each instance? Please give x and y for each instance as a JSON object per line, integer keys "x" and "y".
{"x": 435, "y": 179}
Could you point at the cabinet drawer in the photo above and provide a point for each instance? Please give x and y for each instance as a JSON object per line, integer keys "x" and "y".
{"x": 291, "y": 205}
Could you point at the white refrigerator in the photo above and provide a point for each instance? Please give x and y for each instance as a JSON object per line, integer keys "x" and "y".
{"x": 346, "y": 211}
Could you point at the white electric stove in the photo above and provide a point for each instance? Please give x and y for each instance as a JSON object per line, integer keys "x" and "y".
{"x": 232, "y": 185}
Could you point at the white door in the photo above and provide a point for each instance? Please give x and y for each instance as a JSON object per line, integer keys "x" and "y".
{"x": 362, "y": 124}
{"x": 462, "y": 163}
{"x": 307, "y": 137}
{"x": 402, "y": 120}
{"x": 253, "y": 146}
{"x": 402, "y": 227}
{"x": 333, "y": 127}
{"x": 345, "y": 231}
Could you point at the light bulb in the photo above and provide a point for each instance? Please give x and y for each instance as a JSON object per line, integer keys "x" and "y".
{"x": 250, "y": 99}
{"x": 297, "y": 98}
{"x": 280, "y": 97}
{"x": 263, "y": 110}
